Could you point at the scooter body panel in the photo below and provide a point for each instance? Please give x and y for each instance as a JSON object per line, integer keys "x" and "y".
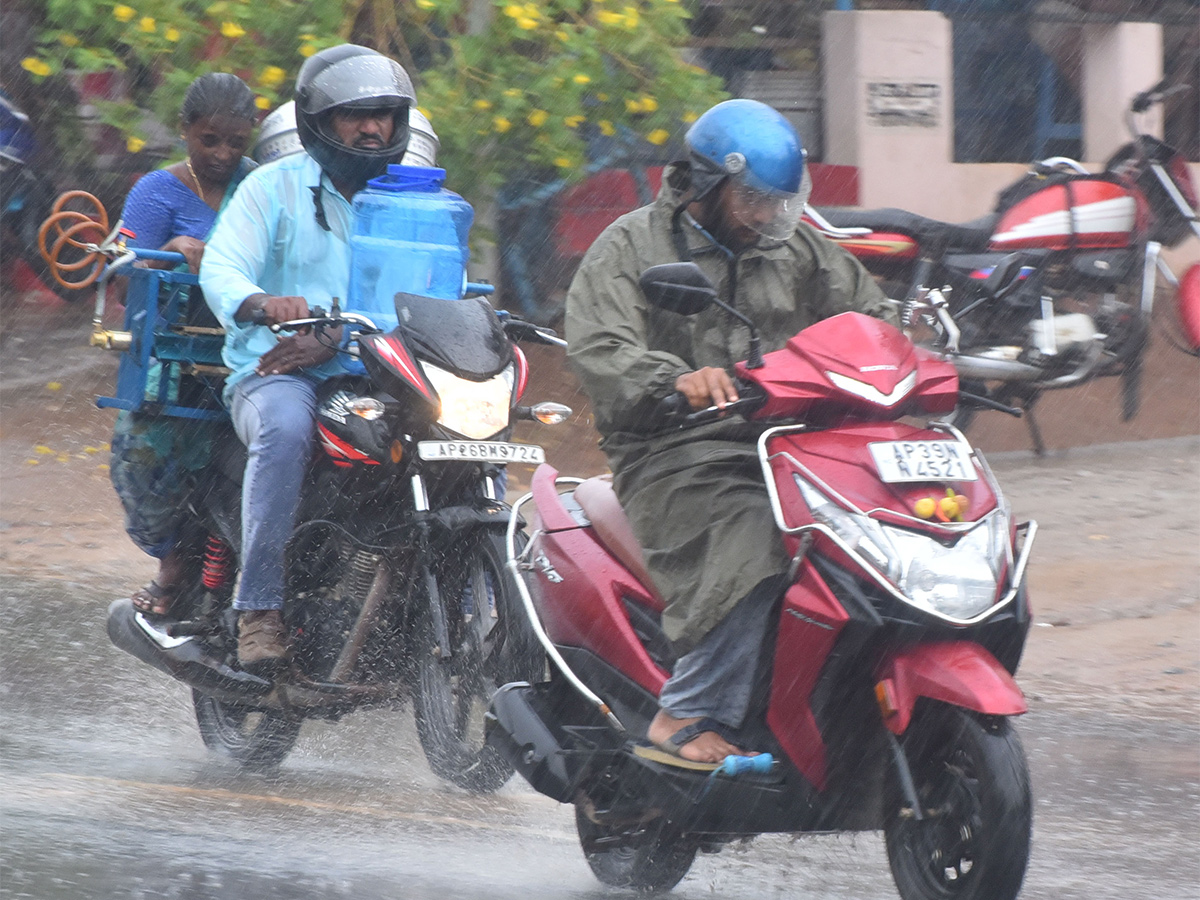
{"x": 810, "y": 622}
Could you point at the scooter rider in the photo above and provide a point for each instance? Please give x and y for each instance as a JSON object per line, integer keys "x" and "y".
{"x": 696, "y": 498}
{"x": 281, "y": 247}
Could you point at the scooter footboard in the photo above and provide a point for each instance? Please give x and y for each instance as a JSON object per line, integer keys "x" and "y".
{"x": 959, "y": 673}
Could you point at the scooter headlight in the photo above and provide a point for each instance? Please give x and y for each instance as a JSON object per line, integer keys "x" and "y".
{"x": 474, "y": 409}
{"x": 957, "y": 579}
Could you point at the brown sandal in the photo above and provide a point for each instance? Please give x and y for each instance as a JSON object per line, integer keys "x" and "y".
{"x": 153, "y": 599}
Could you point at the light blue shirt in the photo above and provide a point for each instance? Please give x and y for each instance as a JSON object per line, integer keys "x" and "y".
{"x": 268, "y": 241}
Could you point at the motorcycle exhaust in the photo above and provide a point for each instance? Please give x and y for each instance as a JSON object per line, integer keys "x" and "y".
{"x": 183, "y": 658}
{"x": 987, "y": 368}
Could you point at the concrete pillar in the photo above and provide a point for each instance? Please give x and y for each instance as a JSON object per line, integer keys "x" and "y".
{"x": 1118, "y": 61}
{"x": 889, "y": 107}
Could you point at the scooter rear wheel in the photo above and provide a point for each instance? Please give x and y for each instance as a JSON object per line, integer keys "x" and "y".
{"x": 254, "y": 740}
{"x": 972, "y": 780}
{"x": 649, "y": 857}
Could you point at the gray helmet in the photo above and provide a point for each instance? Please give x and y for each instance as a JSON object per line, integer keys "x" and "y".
{"x": 354, "y": 77}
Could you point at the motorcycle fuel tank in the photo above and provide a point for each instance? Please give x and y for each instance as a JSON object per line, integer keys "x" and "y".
{"x": 1078, "y": 214}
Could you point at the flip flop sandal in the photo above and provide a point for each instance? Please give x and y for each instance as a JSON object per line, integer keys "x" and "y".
{"x": 667, "y": 752}
{"x": 153, "y": 599}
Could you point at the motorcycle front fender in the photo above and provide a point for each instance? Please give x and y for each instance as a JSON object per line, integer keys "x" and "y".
{"x": 959, "y": 673}
{"x": 1189, "y": 307}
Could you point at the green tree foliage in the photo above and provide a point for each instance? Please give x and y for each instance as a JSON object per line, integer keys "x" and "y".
{"x": 538, "y": 85}
{"x": 510, "y": 88}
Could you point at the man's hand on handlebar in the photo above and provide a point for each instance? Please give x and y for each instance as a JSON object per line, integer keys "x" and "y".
{"x": 710, "y": 386}
{"x": 265, "y": 309}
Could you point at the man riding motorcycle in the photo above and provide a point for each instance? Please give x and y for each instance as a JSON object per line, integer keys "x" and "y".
{"x": 281, "y": 247}
{"x": 696, "y": 498}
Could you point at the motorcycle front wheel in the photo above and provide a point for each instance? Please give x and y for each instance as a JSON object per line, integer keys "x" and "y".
{"x": 972, "y": 780}
{"x": 492, "y": 644}
{"x": 257, "y": 740}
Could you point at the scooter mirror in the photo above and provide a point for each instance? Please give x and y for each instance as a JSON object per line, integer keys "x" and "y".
{"x": 678, "y": 287}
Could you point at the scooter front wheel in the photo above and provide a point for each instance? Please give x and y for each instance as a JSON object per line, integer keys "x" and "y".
{"x": 972, "y": 780}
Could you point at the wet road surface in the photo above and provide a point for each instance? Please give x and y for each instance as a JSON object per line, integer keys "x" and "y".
{"x": 107, "y": 792}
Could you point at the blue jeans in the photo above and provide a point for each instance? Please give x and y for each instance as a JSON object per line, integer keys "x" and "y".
{"x": 275, "y": 417}
{"x": 719, "y": 677}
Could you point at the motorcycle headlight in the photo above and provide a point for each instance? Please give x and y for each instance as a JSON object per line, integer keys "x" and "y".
{"x": 474, "y": 409}
{"x": 955, "y": 581}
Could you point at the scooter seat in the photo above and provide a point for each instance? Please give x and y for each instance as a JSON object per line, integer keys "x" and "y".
{"x": 598, "y": 499}
{"x": 973, "y": 235}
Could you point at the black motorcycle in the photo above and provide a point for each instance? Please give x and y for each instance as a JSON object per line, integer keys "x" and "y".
{"x": 396, "y": 583}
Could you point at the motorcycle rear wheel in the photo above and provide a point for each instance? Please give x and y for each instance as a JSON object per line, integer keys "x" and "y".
{"x": 653, "y": 859}
{"x": 256, "y": 740}
{"x": 492, "y": 645}
{"x": 972, "y": 779}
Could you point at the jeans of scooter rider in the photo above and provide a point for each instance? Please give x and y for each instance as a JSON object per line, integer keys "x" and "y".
{"x": 275, "y": 416}
{"x": 718, "y": 679}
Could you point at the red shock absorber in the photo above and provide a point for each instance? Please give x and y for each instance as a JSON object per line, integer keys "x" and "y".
{"x": 218, "y": 563}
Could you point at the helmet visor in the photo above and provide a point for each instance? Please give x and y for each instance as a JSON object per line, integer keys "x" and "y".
{"x": 773, "y": 214}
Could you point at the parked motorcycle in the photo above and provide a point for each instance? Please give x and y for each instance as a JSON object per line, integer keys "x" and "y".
{"x": 396, "y": 583}
{"x": 1056, "y": 286}
{"x": 892, "y": 688}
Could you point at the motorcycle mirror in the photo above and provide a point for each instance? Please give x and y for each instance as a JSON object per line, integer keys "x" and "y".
{"x": 678, "y": 287}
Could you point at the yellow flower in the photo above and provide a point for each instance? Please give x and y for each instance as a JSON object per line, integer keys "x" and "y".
{"x": 134, "y": 144}
{"x": 606, "y": 128}
{"x": 605, "y": 17}
{"x": 172, "y": 34}
{"x": 526, "y": 24}
{"x": 633, "y": 106}
{"x": 35, "y": 66}
{"x": 423, "y": 111}
{"x": 272, "y": 76}
{"x": 262, "y": 102}
{"x": 538, "y": 118}
{"x": 562, "y": 35}
{"x": 307, "y": 50}
{"x": 658, "y": 136}
{"x": 123, "y": 13}
{"x": 148, "y": 24}
{"x": 513, "y": 11}
{"x": 562, "y": 162}
{"x": 574, "y": 121}
{"x": 425, "y": 4}
{"x": 602, "y": 97}
{"x": 232, "y": 29}
{"x": 68, "y": 40}
{"x": 308, "y": 37}
{"x": 513, "y": 92}
{"x": 482, "y": 103}
{"x": 690, "y": 116}
{"x": 649, "y": 104}
{"x": 581, "y": 78}
{"x": 501, "y": 124}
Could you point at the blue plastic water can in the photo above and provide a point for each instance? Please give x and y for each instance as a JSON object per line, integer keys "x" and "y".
{"x": 410, "y": 235}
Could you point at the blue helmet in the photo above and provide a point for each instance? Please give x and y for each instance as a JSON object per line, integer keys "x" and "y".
{"x": 758, "y": 150}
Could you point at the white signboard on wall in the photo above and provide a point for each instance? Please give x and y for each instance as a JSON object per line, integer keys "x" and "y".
{"x": 910, "y": 103}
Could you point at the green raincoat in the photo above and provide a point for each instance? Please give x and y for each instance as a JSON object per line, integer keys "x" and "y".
{"x": 695, "y": 497}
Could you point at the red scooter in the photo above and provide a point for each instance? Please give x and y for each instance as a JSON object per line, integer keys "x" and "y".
{"x": 891, "y": 689}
